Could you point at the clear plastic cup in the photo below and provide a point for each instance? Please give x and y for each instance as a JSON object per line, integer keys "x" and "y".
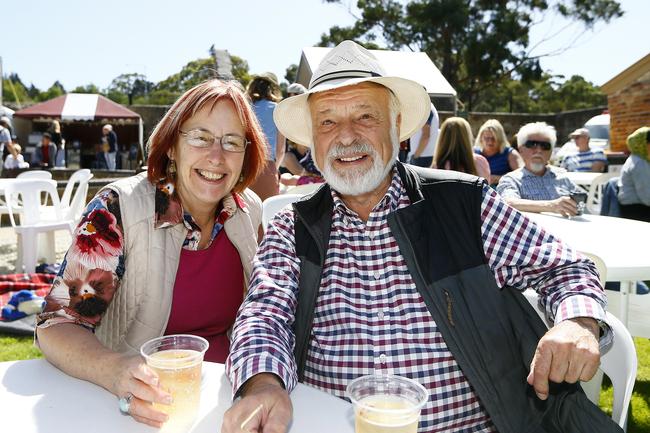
{"x": 386, "y": 403}
{"x": 177, "y": 360}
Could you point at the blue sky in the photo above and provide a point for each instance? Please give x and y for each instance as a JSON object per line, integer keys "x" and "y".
{"x": 83, "y": 41}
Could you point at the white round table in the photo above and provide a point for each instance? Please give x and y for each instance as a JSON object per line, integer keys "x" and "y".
{"x": 36, "y": 397}
{"x": 623, "y": 244}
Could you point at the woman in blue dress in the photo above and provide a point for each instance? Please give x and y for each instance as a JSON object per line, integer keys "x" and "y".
{"x": 492, "y": 143}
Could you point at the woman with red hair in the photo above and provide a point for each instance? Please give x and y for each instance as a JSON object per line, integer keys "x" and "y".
{"x": 164, "y": 252}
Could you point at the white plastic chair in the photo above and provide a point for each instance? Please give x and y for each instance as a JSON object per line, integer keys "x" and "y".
{"x": 305, "y": 189}
{"x": 595, "y": 193}
{"x": 273, "y": 205}
{"x": 619, "y": 362}
{"x": 73, "y": 204}
{"x": 34, "y": 220}
{"x": 4, "y": 209}
{"x": 35, "y": 174}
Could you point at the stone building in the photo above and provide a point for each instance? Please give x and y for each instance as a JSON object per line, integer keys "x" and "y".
{"x": 628, "y": 101}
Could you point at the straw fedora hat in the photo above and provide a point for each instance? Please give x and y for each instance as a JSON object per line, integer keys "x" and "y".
{"x": 345, "y": 65}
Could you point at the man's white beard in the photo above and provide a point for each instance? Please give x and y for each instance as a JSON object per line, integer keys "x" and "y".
{"x": 357, "y": 181}
{"x": 537, "y": 167}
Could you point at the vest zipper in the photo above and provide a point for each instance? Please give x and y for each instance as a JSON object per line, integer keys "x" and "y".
{"x": 449, "y": 305}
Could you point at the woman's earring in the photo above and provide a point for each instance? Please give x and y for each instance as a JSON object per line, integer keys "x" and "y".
{"x": 241, "y": 178}
{"x": 171, "y": 168}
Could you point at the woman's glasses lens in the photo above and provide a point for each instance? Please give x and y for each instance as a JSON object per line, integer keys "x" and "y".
{"x": 202, "y": 139}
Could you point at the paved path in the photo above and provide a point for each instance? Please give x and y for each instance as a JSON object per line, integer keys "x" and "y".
{"x": 8, "y": 248}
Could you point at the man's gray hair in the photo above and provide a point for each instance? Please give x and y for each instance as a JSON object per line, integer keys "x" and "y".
{"x": 536, "y": 128}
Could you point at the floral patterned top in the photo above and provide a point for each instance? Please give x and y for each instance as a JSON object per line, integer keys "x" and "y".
{"x": 93, "y": 267}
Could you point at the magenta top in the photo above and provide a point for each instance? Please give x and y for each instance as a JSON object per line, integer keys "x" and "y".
{"x": 208, "y": 291}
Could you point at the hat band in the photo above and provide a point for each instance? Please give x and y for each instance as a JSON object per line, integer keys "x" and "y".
{"x": 343, "y": 74}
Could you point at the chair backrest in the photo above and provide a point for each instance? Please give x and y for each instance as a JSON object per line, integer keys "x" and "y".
{"x": 31, "y": 192}
{"x": 304, "y": 189}
{"x": 81, "y": 177}
{"x": 595, "y": 194}
{"x": 35, "y": 174}
{"x": 272, "y": 205}
{"x": 619, "y": 362}
{"x": 78, "y": 201}
{"x": 600, "y": 265}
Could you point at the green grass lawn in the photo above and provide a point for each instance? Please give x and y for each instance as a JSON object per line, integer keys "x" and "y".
{"x": 14, "y": 348}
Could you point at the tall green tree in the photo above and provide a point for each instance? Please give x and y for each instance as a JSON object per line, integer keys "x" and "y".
{"x": 291, "y": 73}
{"x": 475, "y": 43}
{"x": 193, "y": 73}
{"x": 190, "y": 75}
{"x": 131, "y": 85}
{"x": 240, "y": 70}
{"x": 548, "y": 94}
{"x": 56, "y": 89}
{"x": 13, "y": 90}
{"x": 88, "y": 88}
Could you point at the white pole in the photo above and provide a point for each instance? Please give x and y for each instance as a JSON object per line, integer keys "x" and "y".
{"x": 141, "y": 137}
{"x": 1, "y": 80}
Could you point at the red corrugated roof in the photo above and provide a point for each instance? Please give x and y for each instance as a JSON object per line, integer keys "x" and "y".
{"x": 51, "y": 108}
{"x": 105, "y": 109}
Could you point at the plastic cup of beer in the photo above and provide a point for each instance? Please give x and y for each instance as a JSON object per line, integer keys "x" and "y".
{"x": 386, "y": 403}
{"x": 177, "y": 360}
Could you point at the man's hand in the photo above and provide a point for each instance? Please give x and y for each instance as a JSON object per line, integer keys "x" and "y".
{"x": 262, "y": 390}
{"x": 565, "y": 206}
{"x": 568, "y": 352}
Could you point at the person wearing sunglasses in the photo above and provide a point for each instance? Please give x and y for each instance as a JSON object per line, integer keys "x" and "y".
{"x": 538, "y": 186}
{"x": 167, "y": 251}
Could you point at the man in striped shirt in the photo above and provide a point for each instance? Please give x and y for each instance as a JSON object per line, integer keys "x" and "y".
{"x": 379, "y": 307}
{"x": 585, "y": 159}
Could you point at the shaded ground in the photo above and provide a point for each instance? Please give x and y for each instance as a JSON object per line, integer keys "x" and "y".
{"x": 8, "y": 248}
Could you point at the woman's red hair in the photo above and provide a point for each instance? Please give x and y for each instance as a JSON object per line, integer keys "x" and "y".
{"x": 166, "y": 134}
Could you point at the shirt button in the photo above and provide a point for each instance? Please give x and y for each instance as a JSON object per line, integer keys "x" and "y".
{"x": 382, "y": 358}
{"x": 377, "y": 275}
{"x": 380, "y": 315}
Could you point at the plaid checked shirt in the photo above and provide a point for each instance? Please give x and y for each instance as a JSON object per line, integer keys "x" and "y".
{"x": 369, "y": 317}
{"x": 522, "y": 183}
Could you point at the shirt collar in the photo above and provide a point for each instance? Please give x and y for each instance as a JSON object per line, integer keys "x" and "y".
{"x": 169, "y": 209}
{"x": 548, "y": 173}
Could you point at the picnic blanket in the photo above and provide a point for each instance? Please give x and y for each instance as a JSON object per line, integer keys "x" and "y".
{"x": 37, "y": 283}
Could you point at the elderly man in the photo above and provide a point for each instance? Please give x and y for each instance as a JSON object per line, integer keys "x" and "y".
{"x": 394, "y": 269}
{"x": 585, "y": 159}
{"x": 538, "y": 186}
{"x": 111, "y": 138}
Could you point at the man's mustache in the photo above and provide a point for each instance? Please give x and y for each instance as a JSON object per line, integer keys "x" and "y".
{"x": 342, "y": 151}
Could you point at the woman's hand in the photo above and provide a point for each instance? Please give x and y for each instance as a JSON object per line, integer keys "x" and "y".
{"x": 133, "y": 376}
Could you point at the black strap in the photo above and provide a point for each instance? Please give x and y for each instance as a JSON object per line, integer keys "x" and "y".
{"x": 306, "y": 300}
{"x": 313, "y": 220}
